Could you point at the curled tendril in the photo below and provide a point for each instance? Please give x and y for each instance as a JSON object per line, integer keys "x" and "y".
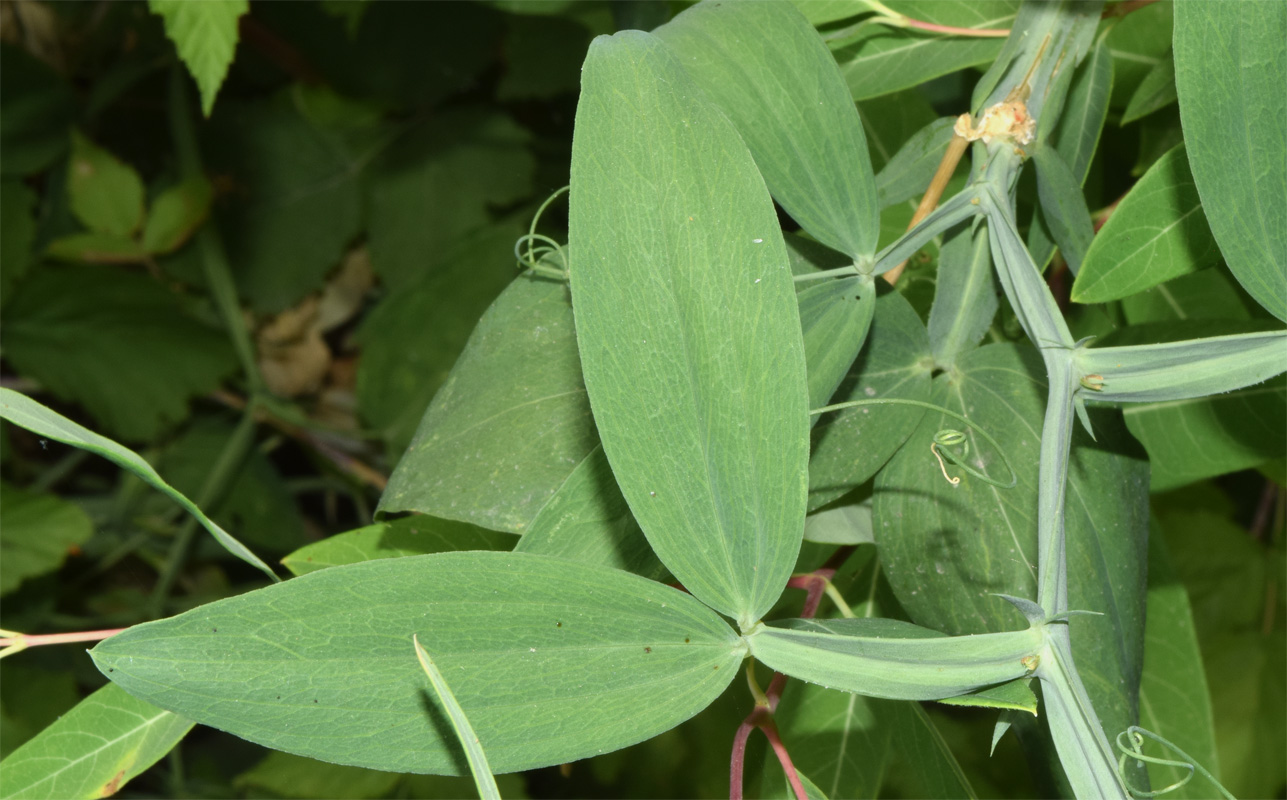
{"x": 533, "y": 248}
{"x": 942, "y": 440}
{"x": 1135, "y": 735}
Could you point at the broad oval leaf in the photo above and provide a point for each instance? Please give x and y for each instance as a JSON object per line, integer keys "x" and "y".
{"x": 687, "y": 326}
{"x": 1230, "y": 69}
{"x": 92, "y": 750}
{"x": 416, "y": 535}
{"x": 1157, "y": 232}
{"x": 767, "y": 69}
{"x": 510, "y": 423}
{"x": 552, "y": 661}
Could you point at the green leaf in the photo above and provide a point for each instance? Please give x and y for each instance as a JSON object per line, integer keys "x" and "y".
{"x": 542, "y": 57}
{"x": 965, "y": 297}
{"x": 17, "y": 233}
{"x": 1017, "y": 695}
{"x": 298, "y": 201}
{"x": 1157, "y": 90}
{"x": 106, "y": 194}
{"x": 38, "y": 532}
{"x": 404, "y": 361}
{"x": 33, "y": 698}
{"x": 1137, "y": 43}
{"x": 409, "y": 536}
{"x": 92, "y": 750}
{"x": 176, "y": 214}
{"x": 478, "y": 766}
{"x": 891, "y": 121}
{"x": 688, "y": 328}
{"x": 588, "y": 520}
{"x": 1157, "y": 232}
{"x": 37, "y": 106}
{"x": 22, "y": 410}
{"x": 788, "y": 101}
{"x": 514, "y": 406}
{"x": 434, "y": 188}
{"x": 878, "y": 60}
{"x": 1230, "y": 67}
{"x": 949, "y": 550}
{"x": 117, "y": 343}
{"x": 1174, "y": 702}
{"x": 834, "y": 318}
{"x": 286, "y": 775}
{"x": 568, "y": 645}
{"x": 205, "y": 34}
{"x": 910, "y": 170}
{"x": 1208, "y": 294}
{"x": 849, "y": 446}
{"x": 1176, "y": 370}
{"x": 848, "y": 524}
{"x": 892, "y": 659}
{"x": 820, "y": 12}
{"x": 1063, "y": 206}
{"x": 96, "y": 248}
{"x": 1188, "y": 440}
{"x": 257, "y": 506}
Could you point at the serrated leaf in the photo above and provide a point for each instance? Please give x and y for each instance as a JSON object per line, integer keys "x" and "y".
{"x": 1174, "y": 701}
{"x": 176, "y": 214}
{"x": 878, "y": 60}
{"x": 22, "y": 410}
{"x": 513, "y": 406}
{"x": 297, "y": 202}
{"x": 688, "y": 328}
{"x": 892, "y": 659}
{"x": 849, "y": 446}
{"x": 106, "y": 194}
{"x": 1157, "y": 90}
{"x": 118, "y": 343}
{"x": 1230, "y": 67}
{"x": 766, "y": 68}
{"x": 1157, "y": 232}
{"x": 205, "y": 34}
{"x": 92, "y": 750}
{"x": 923, "y": 524}
{"x": 434, "y": 188}
{"x": 410, "y": 536}
{"x": 545, "y": 656}
{"x": 38, "y": 532}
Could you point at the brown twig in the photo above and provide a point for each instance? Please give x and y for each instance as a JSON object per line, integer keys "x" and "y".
{"x": 946, "y": 167}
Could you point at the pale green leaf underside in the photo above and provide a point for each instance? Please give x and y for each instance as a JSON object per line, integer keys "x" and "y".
{"x": 205, "y": 34}
{"x": 687, "y": 326}
{"x": 552, "y": 661}
{"x": 92, "y": 750}
{"x": 22, "y": 410}
{"x": 410, "y": 536}
{"x": 767, "y": 69}
{"x": 891, "y": 659}
{"x": 1156, "y": 233}
{"x": 1230, "y": 70}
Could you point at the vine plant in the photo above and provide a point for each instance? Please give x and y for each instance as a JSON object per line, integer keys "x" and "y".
{"x": 738, "y": 379}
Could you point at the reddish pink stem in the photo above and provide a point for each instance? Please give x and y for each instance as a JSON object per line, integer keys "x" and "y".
{"x": 986, "y": 33}
{"x": 59, "y": 638}
{"x": 771, "y": 732}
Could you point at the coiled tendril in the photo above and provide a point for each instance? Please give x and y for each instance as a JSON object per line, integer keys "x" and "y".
{"x": 540, "y": 247}
{"x": 1135, "y": 736}
{"x": 942, "y": 440}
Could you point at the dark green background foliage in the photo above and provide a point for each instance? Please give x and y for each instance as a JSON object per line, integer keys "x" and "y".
{"x": 363, "y": 177}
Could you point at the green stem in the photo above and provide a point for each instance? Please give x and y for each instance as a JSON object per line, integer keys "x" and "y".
{"x": 216, "y": 485}
{"x": 214, "y": 263}
{"x": 959, "y": 208}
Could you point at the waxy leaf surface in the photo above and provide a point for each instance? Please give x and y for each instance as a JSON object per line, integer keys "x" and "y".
{"x": 688, "y": 328}
{"x": 1230, "y": 69}
{"x": 767, "y": 69}
{"x": 552, "y": 661}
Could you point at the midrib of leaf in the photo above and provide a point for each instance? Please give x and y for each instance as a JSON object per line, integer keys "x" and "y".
{"x": 145, "y": 724}
{"x": 508, "y": 411}
{"x": 1122, "y": 262}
